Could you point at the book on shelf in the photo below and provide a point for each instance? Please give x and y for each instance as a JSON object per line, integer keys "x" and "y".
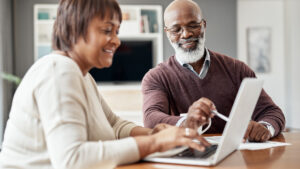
{"x": 145, "y": 24}
{"x": 151, "y": 20}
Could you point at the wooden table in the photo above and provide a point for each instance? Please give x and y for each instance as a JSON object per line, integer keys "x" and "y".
{"x": 285, "y": 157}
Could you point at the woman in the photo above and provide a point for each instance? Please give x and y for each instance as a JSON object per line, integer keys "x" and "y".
{"x": 59, "y": 120}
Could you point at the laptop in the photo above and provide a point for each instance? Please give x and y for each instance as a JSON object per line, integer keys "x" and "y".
{"x": 232, "y": 136}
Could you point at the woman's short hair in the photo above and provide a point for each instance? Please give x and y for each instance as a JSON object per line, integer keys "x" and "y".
{"x": 74, "y": 16}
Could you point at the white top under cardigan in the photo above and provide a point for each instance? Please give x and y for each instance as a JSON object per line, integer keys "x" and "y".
{"x": 59, "y": 120}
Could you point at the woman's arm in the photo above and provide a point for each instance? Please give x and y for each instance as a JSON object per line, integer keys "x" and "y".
{"x": 63, "y": 112}
{"x": 138, "y": 131}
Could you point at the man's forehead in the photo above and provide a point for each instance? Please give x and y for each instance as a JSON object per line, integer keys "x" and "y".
{"x": 179, "y": 17}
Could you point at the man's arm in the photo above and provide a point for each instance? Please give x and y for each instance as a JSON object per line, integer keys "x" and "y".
{"x": 156, "y": 106}
{"x": 266, "y": 111}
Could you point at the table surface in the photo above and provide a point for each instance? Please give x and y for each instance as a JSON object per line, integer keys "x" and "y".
{"x": 284, "y": 157}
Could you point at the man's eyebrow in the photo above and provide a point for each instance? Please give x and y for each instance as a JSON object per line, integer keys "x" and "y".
{"x": 193, "y": 22}
{"x": 178, "y": 25}
{"x": 175, "y": 25}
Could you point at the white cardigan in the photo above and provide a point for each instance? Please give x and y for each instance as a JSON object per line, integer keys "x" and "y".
{"x": 59, "y": 120}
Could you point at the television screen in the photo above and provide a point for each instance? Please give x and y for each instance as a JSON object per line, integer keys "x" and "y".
{"x": 131, "y": 62}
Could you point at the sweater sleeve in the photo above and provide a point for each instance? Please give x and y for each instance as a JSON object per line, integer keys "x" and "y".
{"x": 155, "y": 102}
{"x": 62, "y": 105}
{"x": 122, "y": 128}
{"x": 265, "y": 110}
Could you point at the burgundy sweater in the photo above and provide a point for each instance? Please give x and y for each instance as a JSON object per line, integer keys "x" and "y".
{"x": 169, "y": 89}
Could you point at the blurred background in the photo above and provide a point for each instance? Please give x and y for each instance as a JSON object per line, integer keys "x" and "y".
{"x": 262, "y": 33}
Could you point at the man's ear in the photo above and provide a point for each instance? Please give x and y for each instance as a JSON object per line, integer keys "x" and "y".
{"x": 165, "y": 30}
{"x": 204, "y": 23}
{"x": 167, "y": 33}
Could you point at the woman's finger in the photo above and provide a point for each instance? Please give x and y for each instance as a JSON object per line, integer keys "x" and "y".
{"x": 190, "y": 143}
{"x": 193, "y": 134}
{"x": 203, "y": 141}
{"x": 196, "y": 145}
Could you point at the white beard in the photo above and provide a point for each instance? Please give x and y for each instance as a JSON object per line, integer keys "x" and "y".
{"x": 190, "y": 56}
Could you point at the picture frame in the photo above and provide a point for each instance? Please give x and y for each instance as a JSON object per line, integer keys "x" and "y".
{"x": 259, "y": 49}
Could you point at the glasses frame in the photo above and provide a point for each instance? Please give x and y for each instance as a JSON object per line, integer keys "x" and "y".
{"x": 185, "y": 27}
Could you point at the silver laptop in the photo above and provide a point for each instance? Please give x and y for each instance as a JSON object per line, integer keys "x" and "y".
{"x": 232, "y": 136}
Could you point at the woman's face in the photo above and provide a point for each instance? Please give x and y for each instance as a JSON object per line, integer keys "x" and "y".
{"x": 100, "y": 44}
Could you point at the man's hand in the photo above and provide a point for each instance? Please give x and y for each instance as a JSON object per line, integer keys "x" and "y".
{"x": 257, "y": 132}
{"x": 199, "y": 113}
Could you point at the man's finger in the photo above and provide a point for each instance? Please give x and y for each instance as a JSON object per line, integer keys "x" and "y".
{"x": 253, "y": 133}
{"x": 205, "y": 106}
{"x": 205, "y": 111}
{"x": 259, "y": 133}
{"x": 207, "y": 102}
{"x": 262, "y": 137}
{"x": 266, "y": 136}
{"x": 249, "y": 128}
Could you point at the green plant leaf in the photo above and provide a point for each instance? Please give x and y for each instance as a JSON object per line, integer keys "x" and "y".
{"x": 11, "y": 78}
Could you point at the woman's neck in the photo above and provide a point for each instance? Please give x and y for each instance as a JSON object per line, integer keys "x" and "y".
{"x": 78, "y": 60}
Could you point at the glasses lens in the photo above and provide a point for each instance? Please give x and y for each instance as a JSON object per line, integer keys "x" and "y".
{"x": 176, "y": 30}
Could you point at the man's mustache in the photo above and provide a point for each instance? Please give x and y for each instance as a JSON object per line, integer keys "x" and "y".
{"x": 181, "y": 41}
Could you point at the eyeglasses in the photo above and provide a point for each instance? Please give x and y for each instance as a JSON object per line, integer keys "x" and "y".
{"x": 193, "y": 27}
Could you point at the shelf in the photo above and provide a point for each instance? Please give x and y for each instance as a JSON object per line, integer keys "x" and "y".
{"x": 45, "y": 22}
{"x": 44, "y": 44}
{"x": 135, "y": 19}
{"x": 140, "y": 36}
{"x": 121, "y": 86}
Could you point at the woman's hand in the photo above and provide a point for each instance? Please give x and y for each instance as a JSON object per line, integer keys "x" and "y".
{"x": 176, "y": 136}
{"x": 169, "y": 137}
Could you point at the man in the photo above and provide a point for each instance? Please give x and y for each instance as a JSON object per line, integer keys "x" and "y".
{"x": 196, "y": 81}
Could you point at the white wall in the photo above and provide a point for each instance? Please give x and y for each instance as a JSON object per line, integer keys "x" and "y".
{"x": 283, "y": 83}
{"x": 292, "y": 31}
{"x": 265, "y": 13}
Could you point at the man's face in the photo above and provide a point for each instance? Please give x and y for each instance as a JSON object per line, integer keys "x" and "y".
{"x": 186, "y": 32}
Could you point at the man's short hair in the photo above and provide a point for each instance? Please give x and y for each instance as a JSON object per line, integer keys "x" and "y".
{"x": 74, "y": 16}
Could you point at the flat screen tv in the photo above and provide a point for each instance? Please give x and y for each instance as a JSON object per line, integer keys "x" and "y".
{"x": 131, "y": 62}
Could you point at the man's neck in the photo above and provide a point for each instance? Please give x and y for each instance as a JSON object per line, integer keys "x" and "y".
{"x": 197, "y": 66}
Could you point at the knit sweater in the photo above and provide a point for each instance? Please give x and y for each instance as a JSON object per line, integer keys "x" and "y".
{"x": 169, "y": 89}
{"x": 59, "y": 120}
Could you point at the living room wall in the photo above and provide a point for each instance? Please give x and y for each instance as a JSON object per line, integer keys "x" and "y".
{"x": 220, "y": 15}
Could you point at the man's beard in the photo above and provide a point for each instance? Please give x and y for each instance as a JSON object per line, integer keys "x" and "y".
{"x": 190, "y": 55}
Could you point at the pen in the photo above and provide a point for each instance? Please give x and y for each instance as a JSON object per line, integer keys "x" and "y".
{"x": 220, "y": 115}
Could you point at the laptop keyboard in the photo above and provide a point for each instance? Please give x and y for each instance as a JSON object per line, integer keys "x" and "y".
{"x": 198, "y": 154}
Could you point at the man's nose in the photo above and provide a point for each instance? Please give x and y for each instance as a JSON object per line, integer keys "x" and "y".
{"x": 186, "y": 33}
